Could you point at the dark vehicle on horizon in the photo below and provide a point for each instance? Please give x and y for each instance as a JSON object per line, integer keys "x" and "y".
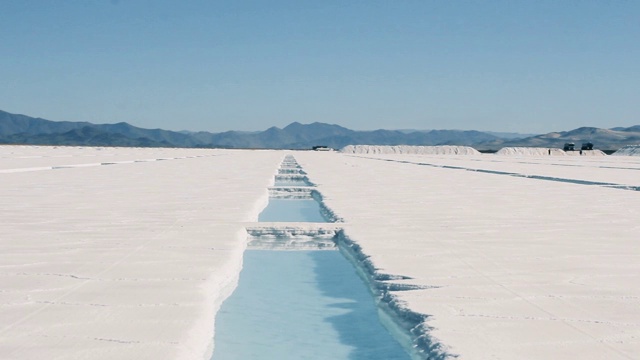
{"x": 569, "y": 147}
{"x": 587, "y": 146}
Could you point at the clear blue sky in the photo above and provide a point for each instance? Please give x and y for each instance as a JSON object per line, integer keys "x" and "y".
{"x": 523, "y": 66}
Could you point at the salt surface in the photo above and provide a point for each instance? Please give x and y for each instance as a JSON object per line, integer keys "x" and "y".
{"x": 291, "y": 182}
{"x": 536, "y": 151}
{"x": 530, "y": 151}
{"x": 621, "y": 170}
{"x": 126, "y": 261}
{"x": 131, "y": 260}
{"x": 516, "y": 267}
{"x": 407, "y": 149}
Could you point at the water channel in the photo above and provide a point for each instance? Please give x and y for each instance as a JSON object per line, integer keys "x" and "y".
{"x": 302, "y": 304}
{"x": 292, "y": 210}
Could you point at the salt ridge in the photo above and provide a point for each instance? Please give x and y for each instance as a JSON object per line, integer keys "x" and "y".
{"x": 407, "y": 149}
{"x": 535, "y": 151}
{"x": 629, "y": 150}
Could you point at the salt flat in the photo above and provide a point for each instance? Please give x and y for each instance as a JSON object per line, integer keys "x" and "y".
{"x": 111, "y": 253}
{"x": 124, "y": 261}
{"x": 515, "y": 268}
{"x": 624, "y": 170}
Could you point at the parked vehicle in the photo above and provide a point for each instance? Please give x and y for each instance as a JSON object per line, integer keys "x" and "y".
{"x": 569, "y": 147}
{"x": 587, "y": 146}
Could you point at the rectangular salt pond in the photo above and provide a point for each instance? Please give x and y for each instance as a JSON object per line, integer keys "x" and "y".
{"x": 301, "y": 305}
{"x": 292, "y": 210}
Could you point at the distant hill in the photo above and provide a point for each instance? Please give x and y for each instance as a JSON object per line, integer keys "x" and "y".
{"x": 510, "y": 135}
{"x": 13, "y": 124}
{"x": 605, "y": 139}
{"x": 635, "y": 128}
{"x": 22, "y": 129}
{"x": 502, "y": 135}
{"x": 84, "y": 136}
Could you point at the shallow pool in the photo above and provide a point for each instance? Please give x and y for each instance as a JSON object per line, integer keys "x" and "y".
{"x": 292, "y": 210}
{"x": 301, "y": 305}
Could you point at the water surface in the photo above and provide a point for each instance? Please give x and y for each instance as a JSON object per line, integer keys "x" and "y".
{"x": 301, "y": 305}
{"x": 292, "y": 210}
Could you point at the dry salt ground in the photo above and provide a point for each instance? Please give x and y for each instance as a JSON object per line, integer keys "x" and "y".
{"x": 536, "y": 151}
{"x": 408, "y": 149}
{"x": 128, "y": 260}
{"x": 518, "y": 268}
{"x": 120, "y": 253}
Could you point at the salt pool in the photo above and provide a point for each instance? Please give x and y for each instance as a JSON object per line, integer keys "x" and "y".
{"x": 292, "y": 210}
{"x": 301, "y": 305}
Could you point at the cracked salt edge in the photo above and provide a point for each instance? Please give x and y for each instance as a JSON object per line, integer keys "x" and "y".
{"x": 292, "y": 171}
{"x": 291, "y": 177}
{"x": 217, "y": 290}
{"x": 409, "y": 328}
{"x": 406, "y": 326}
{"x": 290, "y": 192}
{"x": 294, "y": 177}
{"x": 290, "y": 166}
{"x": 293, "y": 231}
{"x": 325, "y": 211}
{"x": 291, "y": 238}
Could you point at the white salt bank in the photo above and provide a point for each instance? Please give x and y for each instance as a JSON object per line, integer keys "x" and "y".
{"x": 407, "y": 149}
{"x": 537, "y": 151}
{"x": 530, "y": 151}
{"x": 512, "y": 267}
{"x": 122, "y": 261}
{"x": 113, "y": 253}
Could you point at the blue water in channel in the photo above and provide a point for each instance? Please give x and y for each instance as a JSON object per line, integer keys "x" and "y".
{"x": 292, "y": 210}
{"x": 300, "y": 304}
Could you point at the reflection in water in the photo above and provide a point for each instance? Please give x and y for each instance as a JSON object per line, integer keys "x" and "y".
{"x": 292, "y": 210}
{"x": 301, "y": 305}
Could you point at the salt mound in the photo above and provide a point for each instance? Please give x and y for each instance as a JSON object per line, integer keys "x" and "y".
{"x": 629, "y": 150}
{"x": 407, "y": 149}
{"x": 530, "y": 151}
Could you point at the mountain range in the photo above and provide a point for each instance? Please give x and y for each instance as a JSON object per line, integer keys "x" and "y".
{"x": 604, "y": 139}
{"x": 22, "y": 129}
